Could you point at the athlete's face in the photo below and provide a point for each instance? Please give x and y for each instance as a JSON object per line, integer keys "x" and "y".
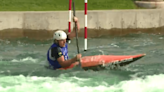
{"x": 62, "y": 43}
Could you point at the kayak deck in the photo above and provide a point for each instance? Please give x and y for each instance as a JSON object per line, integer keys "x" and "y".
{"x": 102, "y": 61}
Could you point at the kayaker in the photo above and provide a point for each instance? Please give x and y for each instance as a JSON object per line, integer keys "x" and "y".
{"x": 57, "y": 54}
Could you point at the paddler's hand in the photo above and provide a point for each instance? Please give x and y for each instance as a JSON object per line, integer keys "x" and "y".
{"x": 78, "y": 57}
{"x": 75, "y": 19}
{"x": 76, "y": 63}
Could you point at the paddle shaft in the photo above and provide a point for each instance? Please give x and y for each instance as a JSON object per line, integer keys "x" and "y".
{"x": 76, "y": 29}
{"x": 76, "y": 33}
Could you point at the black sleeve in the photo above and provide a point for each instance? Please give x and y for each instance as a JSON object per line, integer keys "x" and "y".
{"x": 56, "y": 52}
{"x": 67, "y": 40}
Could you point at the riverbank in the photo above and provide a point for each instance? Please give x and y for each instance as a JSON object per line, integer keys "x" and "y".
{"x": 39, "y": 19}
{"x": 41, "y": 25}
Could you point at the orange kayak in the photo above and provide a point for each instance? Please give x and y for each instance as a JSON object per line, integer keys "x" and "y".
{"x": 106, "y": 60}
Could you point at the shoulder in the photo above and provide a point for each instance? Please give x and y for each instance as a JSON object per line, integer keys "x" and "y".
{"x": 55, "y": 49}
{"x": 56, "y": 52}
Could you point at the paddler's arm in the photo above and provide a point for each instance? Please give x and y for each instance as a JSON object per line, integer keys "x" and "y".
{"x": 56, "y": 53}
{"x": 73, "y": 33}
{"x": 67, "y": 63}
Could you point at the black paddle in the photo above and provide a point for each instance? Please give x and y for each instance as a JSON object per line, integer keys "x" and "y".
{"x": 76, "y": 32}
{"x": 76, "y": 29}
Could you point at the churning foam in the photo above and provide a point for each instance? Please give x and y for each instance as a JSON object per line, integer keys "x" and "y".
{"x": 27, "y": 59}
{"x": 154, "y": 83}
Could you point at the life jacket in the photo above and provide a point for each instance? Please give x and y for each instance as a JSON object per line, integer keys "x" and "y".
{"x": 52, "y": 60}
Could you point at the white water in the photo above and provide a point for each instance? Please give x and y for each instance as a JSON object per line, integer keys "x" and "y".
{"x": 27, "y": 59}
{"x": 63, "y": 83}
{"x": 21, "y": 83}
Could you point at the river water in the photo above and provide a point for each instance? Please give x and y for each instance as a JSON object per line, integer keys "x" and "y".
{"x": 21, "y": 66}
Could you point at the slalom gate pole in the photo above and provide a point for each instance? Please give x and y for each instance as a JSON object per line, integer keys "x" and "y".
{"x": 85, "y": 28}
{"x": 85, "y": 21}
{"x": 69, "y": 20}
